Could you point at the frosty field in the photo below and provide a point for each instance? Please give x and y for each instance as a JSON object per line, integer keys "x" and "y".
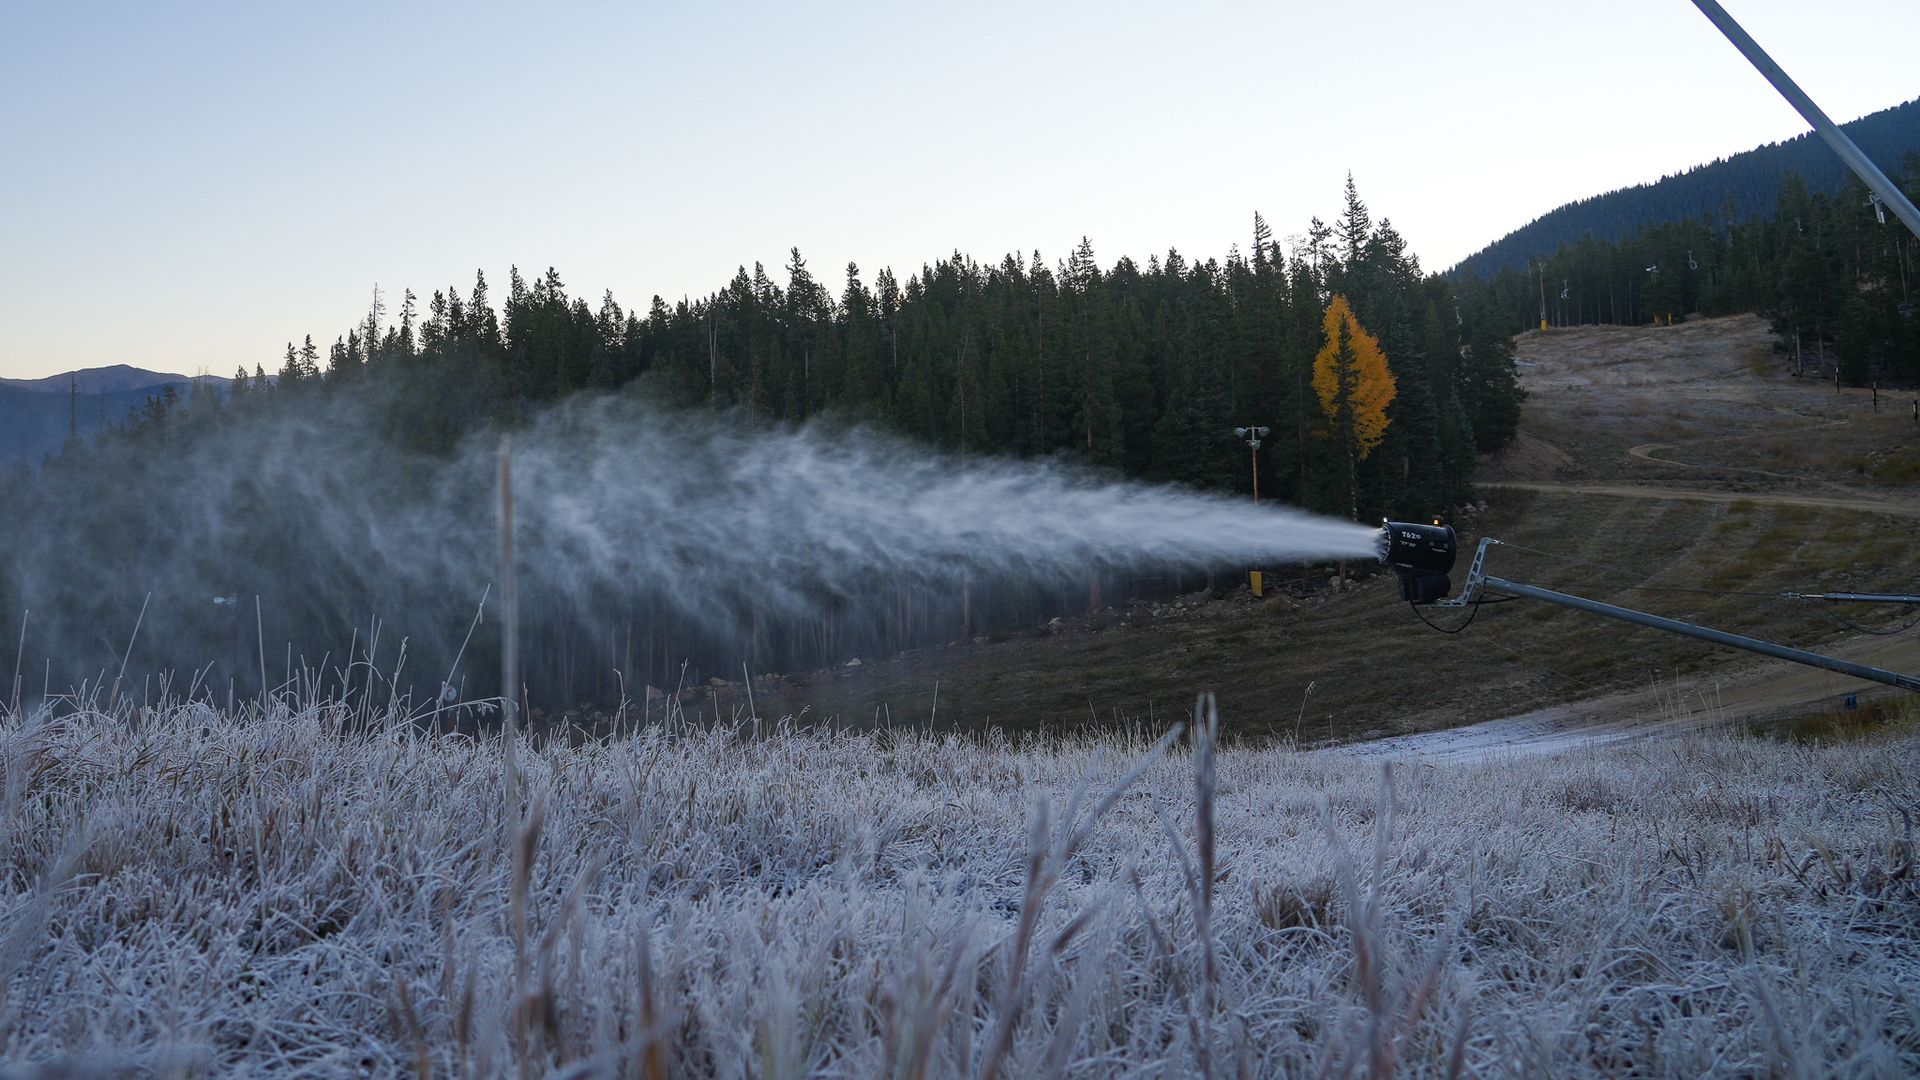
{"x": 190, "y": 893}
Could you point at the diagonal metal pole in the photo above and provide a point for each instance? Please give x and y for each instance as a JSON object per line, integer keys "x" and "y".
{"x": 1856, "y": 160}
{"x": 1707, "y": 633}
{"x": 1478, "y": 578}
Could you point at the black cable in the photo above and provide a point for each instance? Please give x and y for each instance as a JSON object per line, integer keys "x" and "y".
{"x": 1495, "y": 642}
{"x": 1703, "y": 592}
{"x": 1471, "y": 615}
{"x": 1851, "y": 625}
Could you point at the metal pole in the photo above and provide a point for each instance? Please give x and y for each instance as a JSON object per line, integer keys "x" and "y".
{"x": 1253, "y": 452}
{"x": 1835, "y": 138}
{"x": 1718, "y": 637}
{"x": 1860, "y": 597}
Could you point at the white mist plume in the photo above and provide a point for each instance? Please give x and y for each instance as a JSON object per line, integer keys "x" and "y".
{"x": 620, "y": 493}
{"x": 624, "y": 511}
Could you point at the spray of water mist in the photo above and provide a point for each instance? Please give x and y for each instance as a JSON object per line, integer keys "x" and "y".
{"x": 626, "y": 495}
{"x": 711, "y": 519}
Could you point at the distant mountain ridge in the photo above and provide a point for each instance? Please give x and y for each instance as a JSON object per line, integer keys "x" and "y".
{"x": 112, "y": 379}
{"x": 36, "y": 414}
{"x": 1749, "y": 181}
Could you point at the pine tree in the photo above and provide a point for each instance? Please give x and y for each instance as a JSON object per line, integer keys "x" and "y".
{"x": 1489, "y": 389}
{"x": 434, "y": 332}
{"x": 1353, "y": 228}
{"x": 403, "y": 337}
{"x": 860, "y": 348}
{"x": 1318, "y": 233}
{"x": 290, "y": 373}
{"x": 370, "y": 334}
{"x": 608, "y": 367}
{"x": 460, "y": 328}
{"x": 482, "y": 322}
{"x": 1852, "y": 345}
{"x": 309, "y": 360}
{"x": 803, "y": 359}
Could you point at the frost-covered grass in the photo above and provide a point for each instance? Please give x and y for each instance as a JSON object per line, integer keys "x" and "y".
{"x": 185, "y": 892}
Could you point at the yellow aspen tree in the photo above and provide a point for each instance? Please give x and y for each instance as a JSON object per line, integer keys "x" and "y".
{"x": 1354, "y": 386}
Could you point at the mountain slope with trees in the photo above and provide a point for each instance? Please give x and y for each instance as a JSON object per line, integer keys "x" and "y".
{"x": 1728, "y": 191}
{"x": 1836, "y": 280}
{"x": 39, "y": 416}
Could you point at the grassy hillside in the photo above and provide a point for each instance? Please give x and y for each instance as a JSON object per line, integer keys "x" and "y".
{"x": 191, "y": 892}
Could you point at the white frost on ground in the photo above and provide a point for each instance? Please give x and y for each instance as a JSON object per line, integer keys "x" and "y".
{"x": 1556, "y": 729}
{"x": 183, "y": 892}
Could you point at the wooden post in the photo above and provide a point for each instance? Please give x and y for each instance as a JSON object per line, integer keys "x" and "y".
{"x": 509, "y": 601}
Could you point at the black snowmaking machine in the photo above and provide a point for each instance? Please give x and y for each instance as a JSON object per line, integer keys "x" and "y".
{"x": 1422, "y": 558}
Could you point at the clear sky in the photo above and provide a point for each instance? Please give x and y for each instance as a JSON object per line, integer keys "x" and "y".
{"x": 187, "y": 186}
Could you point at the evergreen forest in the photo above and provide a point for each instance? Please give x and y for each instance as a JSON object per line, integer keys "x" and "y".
{"x": 1833, "y": 273}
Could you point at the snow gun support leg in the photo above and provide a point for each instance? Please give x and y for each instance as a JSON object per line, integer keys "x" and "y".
{"x": 1422, "y": 555}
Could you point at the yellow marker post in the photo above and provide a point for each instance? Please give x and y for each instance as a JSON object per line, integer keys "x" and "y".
{"x": 1254, "y": 583}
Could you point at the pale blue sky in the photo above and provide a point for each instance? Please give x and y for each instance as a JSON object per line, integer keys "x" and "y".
{"x": 187, "y": 186}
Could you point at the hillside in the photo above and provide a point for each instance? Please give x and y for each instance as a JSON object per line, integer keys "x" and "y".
{"x": 1652, "y": 463}
{"x": 1749, "y": 183}
{"x": 114, "y": 378}
{"x": 34, "y": 413}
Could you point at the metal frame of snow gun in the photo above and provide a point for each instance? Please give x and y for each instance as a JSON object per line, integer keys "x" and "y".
{"x": 1422, "y": 555}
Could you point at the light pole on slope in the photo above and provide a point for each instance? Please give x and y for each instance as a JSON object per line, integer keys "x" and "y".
{"x": 1253, "y": 435}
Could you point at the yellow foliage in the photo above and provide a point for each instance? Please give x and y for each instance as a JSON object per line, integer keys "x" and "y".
{"x": 1353, "y": 383}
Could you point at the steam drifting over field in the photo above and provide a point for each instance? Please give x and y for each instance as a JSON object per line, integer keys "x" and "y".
{"x": 189, "y": 889}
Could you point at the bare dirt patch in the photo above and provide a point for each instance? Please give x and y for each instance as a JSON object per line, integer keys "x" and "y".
{"x": 1707, "y": 403}
{"x": 1530, "y": 457}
